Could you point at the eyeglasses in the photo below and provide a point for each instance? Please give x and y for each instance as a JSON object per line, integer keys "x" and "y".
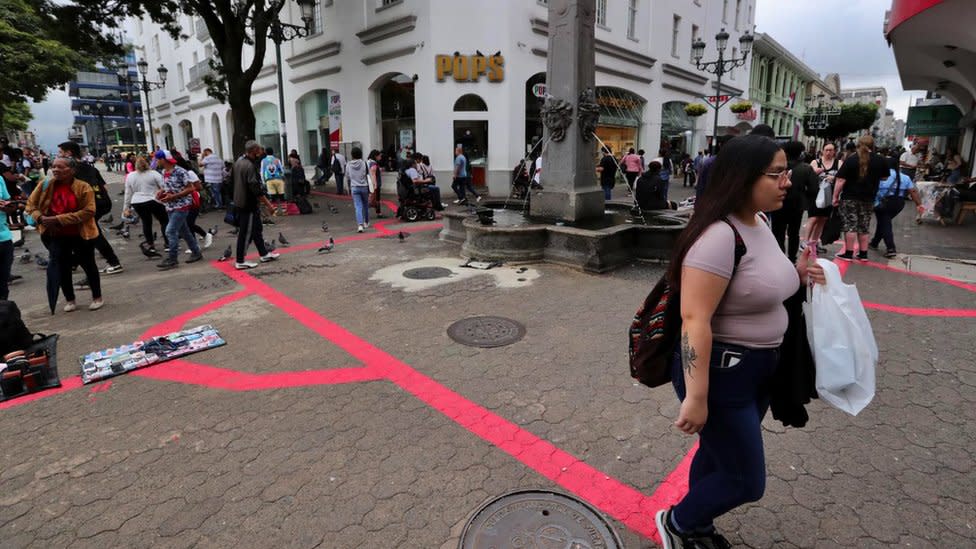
{"x": 785, "y": 174}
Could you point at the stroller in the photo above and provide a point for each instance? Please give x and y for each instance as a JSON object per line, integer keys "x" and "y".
{"x": 414, "y": 203}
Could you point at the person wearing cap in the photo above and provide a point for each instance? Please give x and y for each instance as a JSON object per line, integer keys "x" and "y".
{"x": 175, "y": 195}
{"x": 273, "y": 175}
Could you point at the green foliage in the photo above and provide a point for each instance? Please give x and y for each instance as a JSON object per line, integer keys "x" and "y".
{"x": 695, "y": 109}
{"x": 740, "y": 106}
{"x": 15, "y": 116}
{"x": 853, "y": 118}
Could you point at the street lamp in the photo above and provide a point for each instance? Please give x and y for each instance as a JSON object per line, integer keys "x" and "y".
{"x": 818, "y": 114}
{"x": 720, "y": 67}
{"x": 280, "y": 32}
{"x": 144, "y": 86}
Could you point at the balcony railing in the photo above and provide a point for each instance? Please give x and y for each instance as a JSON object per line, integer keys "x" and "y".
{"x": 201, "y": 30}
{"x": 196, "y": 74}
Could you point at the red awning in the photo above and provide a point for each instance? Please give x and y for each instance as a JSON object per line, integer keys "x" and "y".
{"x": 902, "y": 10}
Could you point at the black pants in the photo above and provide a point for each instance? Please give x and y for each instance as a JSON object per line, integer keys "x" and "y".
{"x": 786, "y": 224}
{"x": 147, "y": 211}
{"x": 65, "y": 251}
{"x": 631, "y": 177}
{"x": 249, "y": 230}
{"x": 885, "y": 213}
{"x": 101, "y": 244}
{"x": 6, "y": 263}
{"x": 191, "y": 222}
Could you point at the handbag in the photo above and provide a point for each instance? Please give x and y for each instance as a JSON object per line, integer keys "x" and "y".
{"x": 893, "y": 201}
{"x": 832, "y": 229}
{"x": 825, "y": 194}
{"x": 232, "y": 217}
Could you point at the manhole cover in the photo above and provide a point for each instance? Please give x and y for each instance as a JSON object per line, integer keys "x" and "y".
{"x": 537, "y": 519}
{"x": 486, "y": 331}
{"x": 427, "y": 273}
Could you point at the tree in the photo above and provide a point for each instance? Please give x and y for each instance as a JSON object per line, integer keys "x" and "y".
{"x": 232, "y": 24}
{"x": 852, "y": 118}
{"x": 15, "y": 116}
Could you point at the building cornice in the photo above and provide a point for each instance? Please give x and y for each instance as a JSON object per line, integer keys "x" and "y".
{"x": 181, "y": 100}
{"x": 605, "y": 70}
{"x": 316, "y": 74}
{"x": 387, "y": 30}
{"x": 325, "y": 50}
{"x": 208, "y": 102}
{"x": 683, "y": 74}
{"x": 541, "y": 26}
{"x": 673, "y": 87}
{"x": 386, "y": 56}
{"x": 161, "y": 107}
{"x": 766, "y": 46}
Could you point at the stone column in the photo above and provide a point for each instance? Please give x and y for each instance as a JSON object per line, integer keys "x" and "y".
{"x": 571, "y": 192}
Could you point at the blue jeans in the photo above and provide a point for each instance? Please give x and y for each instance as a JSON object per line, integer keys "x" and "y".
{"x": 884, "y": 214}
{"x": 360, "y": 199}
{"x": 729, "y": 468}
{"x": 176, "y": 229}
{"x": 462, "y": 186}
{"x": 215, "y": 191}
{"x": 607, "y": 192}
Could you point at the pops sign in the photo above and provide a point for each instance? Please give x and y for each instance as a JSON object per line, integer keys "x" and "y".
{"x": 470, "y": 68}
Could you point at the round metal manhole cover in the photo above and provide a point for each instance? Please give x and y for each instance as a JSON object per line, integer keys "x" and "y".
{"x": 427, "y": 273}
{"x": 486, "y": 331}
{"x": 538, "y": 519}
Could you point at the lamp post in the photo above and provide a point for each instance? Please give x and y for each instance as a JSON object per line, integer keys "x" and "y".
{"x": 280, "y": 32}
{"x": 124, "y": 75}
{"x": 720, "y": 67}
{"x": 144, "y": 86}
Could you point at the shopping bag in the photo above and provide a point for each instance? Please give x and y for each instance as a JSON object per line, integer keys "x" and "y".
{"x": 825, "y": 196}
{"x": 844, "y": 349}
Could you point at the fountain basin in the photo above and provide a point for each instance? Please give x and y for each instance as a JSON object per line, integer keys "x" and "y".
{"x": 596, "y": 246}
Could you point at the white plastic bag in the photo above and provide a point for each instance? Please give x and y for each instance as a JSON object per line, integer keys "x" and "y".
{"x": 844, "y": 350}
{"x": 825, "y": 196}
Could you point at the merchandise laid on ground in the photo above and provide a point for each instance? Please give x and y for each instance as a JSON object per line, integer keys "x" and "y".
{"x": 30, "y": 370}
{"x": 139, "y": 354}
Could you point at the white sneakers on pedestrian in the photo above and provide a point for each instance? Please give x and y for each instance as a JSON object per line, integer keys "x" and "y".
{"x": 112, "y": 269}
{"x": 70, "y": 306}
{"x": 359, "y": 228}
{"x": 207, "y": 241}
{"x": 96, "y": 305}
{"x": 270, "y": 256}
{"x": 245, "y": 265}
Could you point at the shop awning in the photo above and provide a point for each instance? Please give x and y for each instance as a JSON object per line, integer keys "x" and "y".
{"x": 933, "y": 120}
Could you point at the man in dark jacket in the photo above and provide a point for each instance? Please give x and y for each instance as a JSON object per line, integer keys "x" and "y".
{"x": 90, "y": 174}
{"x": 249, "y": 195}
{"x": 788, "y": 219}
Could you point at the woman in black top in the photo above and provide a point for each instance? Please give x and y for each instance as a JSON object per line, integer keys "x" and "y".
{"x": 854, "y": 190}
{"x": 651, "y": 190}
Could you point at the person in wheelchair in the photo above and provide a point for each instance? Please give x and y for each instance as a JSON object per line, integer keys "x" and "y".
{"x": 651, "y": 193}
{"x": 419, "y": 196}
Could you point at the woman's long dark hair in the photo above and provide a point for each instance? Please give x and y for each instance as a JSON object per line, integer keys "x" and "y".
{"x": 740, "y": 163}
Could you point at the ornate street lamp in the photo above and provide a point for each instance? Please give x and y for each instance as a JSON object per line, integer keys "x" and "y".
{"x": 280, "y": 32}
{"x": 144, "y": 86}
{"x": 720, "y": 67}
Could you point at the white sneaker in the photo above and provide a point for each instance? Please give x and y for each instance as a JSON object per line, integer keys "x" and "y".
{"x": 270, "y": 256}
{"x": 478, "y": 199}
{"x": 458, "y": 201}
{"x": 207, "y": 241}
{"x": 70, "y": 306}
{"x": 245, "y": 265}
{"x": 188, "y": 251}
{"x": 359, "y": 229}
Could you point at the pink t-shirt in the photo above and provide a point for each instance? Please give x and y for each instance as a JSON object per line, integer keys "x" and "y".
{"x": 631, "y": 162}
{"x": 751, "y": 313}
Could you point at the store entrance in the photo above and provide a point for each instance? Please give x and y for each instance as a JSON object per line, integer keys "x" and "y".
{"x": 472, "y": 135}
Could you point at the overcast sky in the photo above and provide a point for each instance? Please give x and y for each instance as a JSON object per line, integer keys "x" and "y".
{"x": 842, "y": 36}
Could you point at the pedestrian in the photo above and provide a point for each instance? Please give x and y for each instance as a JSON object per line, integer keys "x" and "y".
{"x": 787, "y": 220}
{"x": 667, "y": 168}
{"x": 537, "y": 172}
{"x": 889, "y": 202}
{"x": 462, "y": 178}
{"x": 272, "y": 173}
{"x": 45, "y": 162}
{"x": 687, "y": 170}
{"x": 954, "y": 166}
{"x": 374, "y": 165}
{"x": 339, "y": 169}
{"x": 733, "y": 321}
{"x": 359, "y": 176}
{"x": 296, "y": 173}
{"x": 64, "y": 209}
{"x": 908, "y": 162}
{"x": 423, "y": 180}
{"x": 649, "y": 190}
{"x": 176, "y": 196}
{"x": 855, "y": 188}
{"x": 130, "y": 163}
{"x": 608, "y": 173}
{"x": 141, "y": 188}
{"x": 826, "y": 168}
{"x": 249, "y": 195}
{"x": 213, "y": 176}
{"x": 103, "y": 205}
{"x": 632, "y": 167}
{"x": 6, "y": 239}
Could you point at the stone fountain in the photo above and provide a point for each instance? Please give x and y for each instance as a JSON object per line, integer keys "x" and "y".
{"x": 568, "y": 222}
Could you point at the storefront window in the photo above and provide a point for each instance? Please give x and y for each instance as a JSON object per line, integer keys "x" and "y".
{"x": 397, "y": 112}
{"x": 676, "y": 127}
{"x": 472, "y": 136}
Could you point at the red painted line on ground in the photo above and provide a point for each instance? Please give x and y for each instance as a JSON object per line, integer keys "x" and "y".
{"x": 844, "y": 266}
{"x": 920, "y": 311}
{"x": 385, "y": 233}
{"x": 936, "y": 278}
{"x": 177, "y": 322}
{"x": 101, "y": 387}
{"x": 69, "y": 384}
{"x": 190, "y": 373}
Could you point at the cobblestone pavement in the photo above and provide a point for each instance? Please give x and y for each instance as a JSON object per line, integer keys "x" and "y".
{"x": 372, "y": 442}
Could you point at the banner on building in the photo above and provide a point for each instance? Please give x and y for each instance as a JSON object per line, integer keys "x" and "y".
{"x": 335, "y": 119}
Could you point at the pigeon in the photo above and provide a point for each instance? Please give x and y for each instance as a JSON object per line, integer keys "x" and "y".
{"x": 213, "y": 230}
{"x": 41, "y": 262}
{"x": 124, "y": 233}
{"x": 325, "y": 227}
{"x": 283, "y": 240}
{"x": 327, "y": 247}
{"x": 402, "y": 236}
{"x": 26, "y": 257}
{"x": 226, "y": 255}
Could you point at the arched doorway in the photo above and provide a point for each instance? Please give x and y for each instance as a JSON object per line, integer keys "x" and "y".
{"x": 319, "y": 122}
{"x": 677, "y": 128}
{"x": 266, "y": 126}
{"x": 229, "y": 120}
{"x": 471, "y": 132}
{"x": 165, "y": 136}
{"x": 186, "y": 134}
{"x": 218, "y": 142}
{"x": 397, "y": 122}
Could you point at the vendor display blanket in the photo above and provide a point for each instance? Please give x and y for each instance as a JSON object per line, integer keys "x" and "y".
{"x": 119, "y": 360}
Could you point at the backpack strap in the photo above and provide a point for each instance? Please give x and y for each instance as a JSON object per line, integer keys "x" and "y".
{"x": 740, "y": 246}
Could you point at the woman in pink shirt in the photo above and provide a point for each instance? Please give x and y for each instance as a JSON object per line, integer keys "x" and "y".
{"x": 733, "y": 321}
{"x": 632, "y": 166}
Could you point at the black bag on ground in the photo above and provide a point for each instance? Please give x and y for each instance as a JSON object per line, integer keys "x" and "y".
{"x": 832, "y": 229}
{"x": 304, "y": 206}
{"x": 14, "y": 335}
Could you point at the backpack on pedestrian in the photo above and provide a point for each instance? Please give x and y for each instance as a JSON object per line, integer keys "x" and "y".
{"x": 654, "y": 332}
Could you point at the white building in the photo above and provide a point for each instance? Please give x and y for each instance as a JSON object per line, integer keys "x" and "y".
{"x": 432, "y": 73}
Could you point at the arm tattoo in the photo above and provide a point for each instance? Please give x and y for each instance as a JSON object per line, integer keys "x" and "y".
{"x": 688, "y": 355}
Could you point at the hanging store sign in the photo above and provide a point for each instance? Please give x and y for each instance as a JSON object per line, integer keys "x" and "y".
{"x": 539, "y": 90}
{"x": 470, "y": 68}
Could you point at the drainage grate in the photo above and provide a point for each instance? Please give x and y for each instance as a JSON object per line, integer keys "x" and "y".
{"x": 536, "y": 518}
{"x": 427, "y": 273}
{"x": 486, "y": 331}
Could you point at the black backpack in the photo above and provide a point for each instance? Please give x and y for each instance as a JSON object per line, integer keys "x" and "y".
{"x": 14, "y": 335}
{"x": 654, "y": 332}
